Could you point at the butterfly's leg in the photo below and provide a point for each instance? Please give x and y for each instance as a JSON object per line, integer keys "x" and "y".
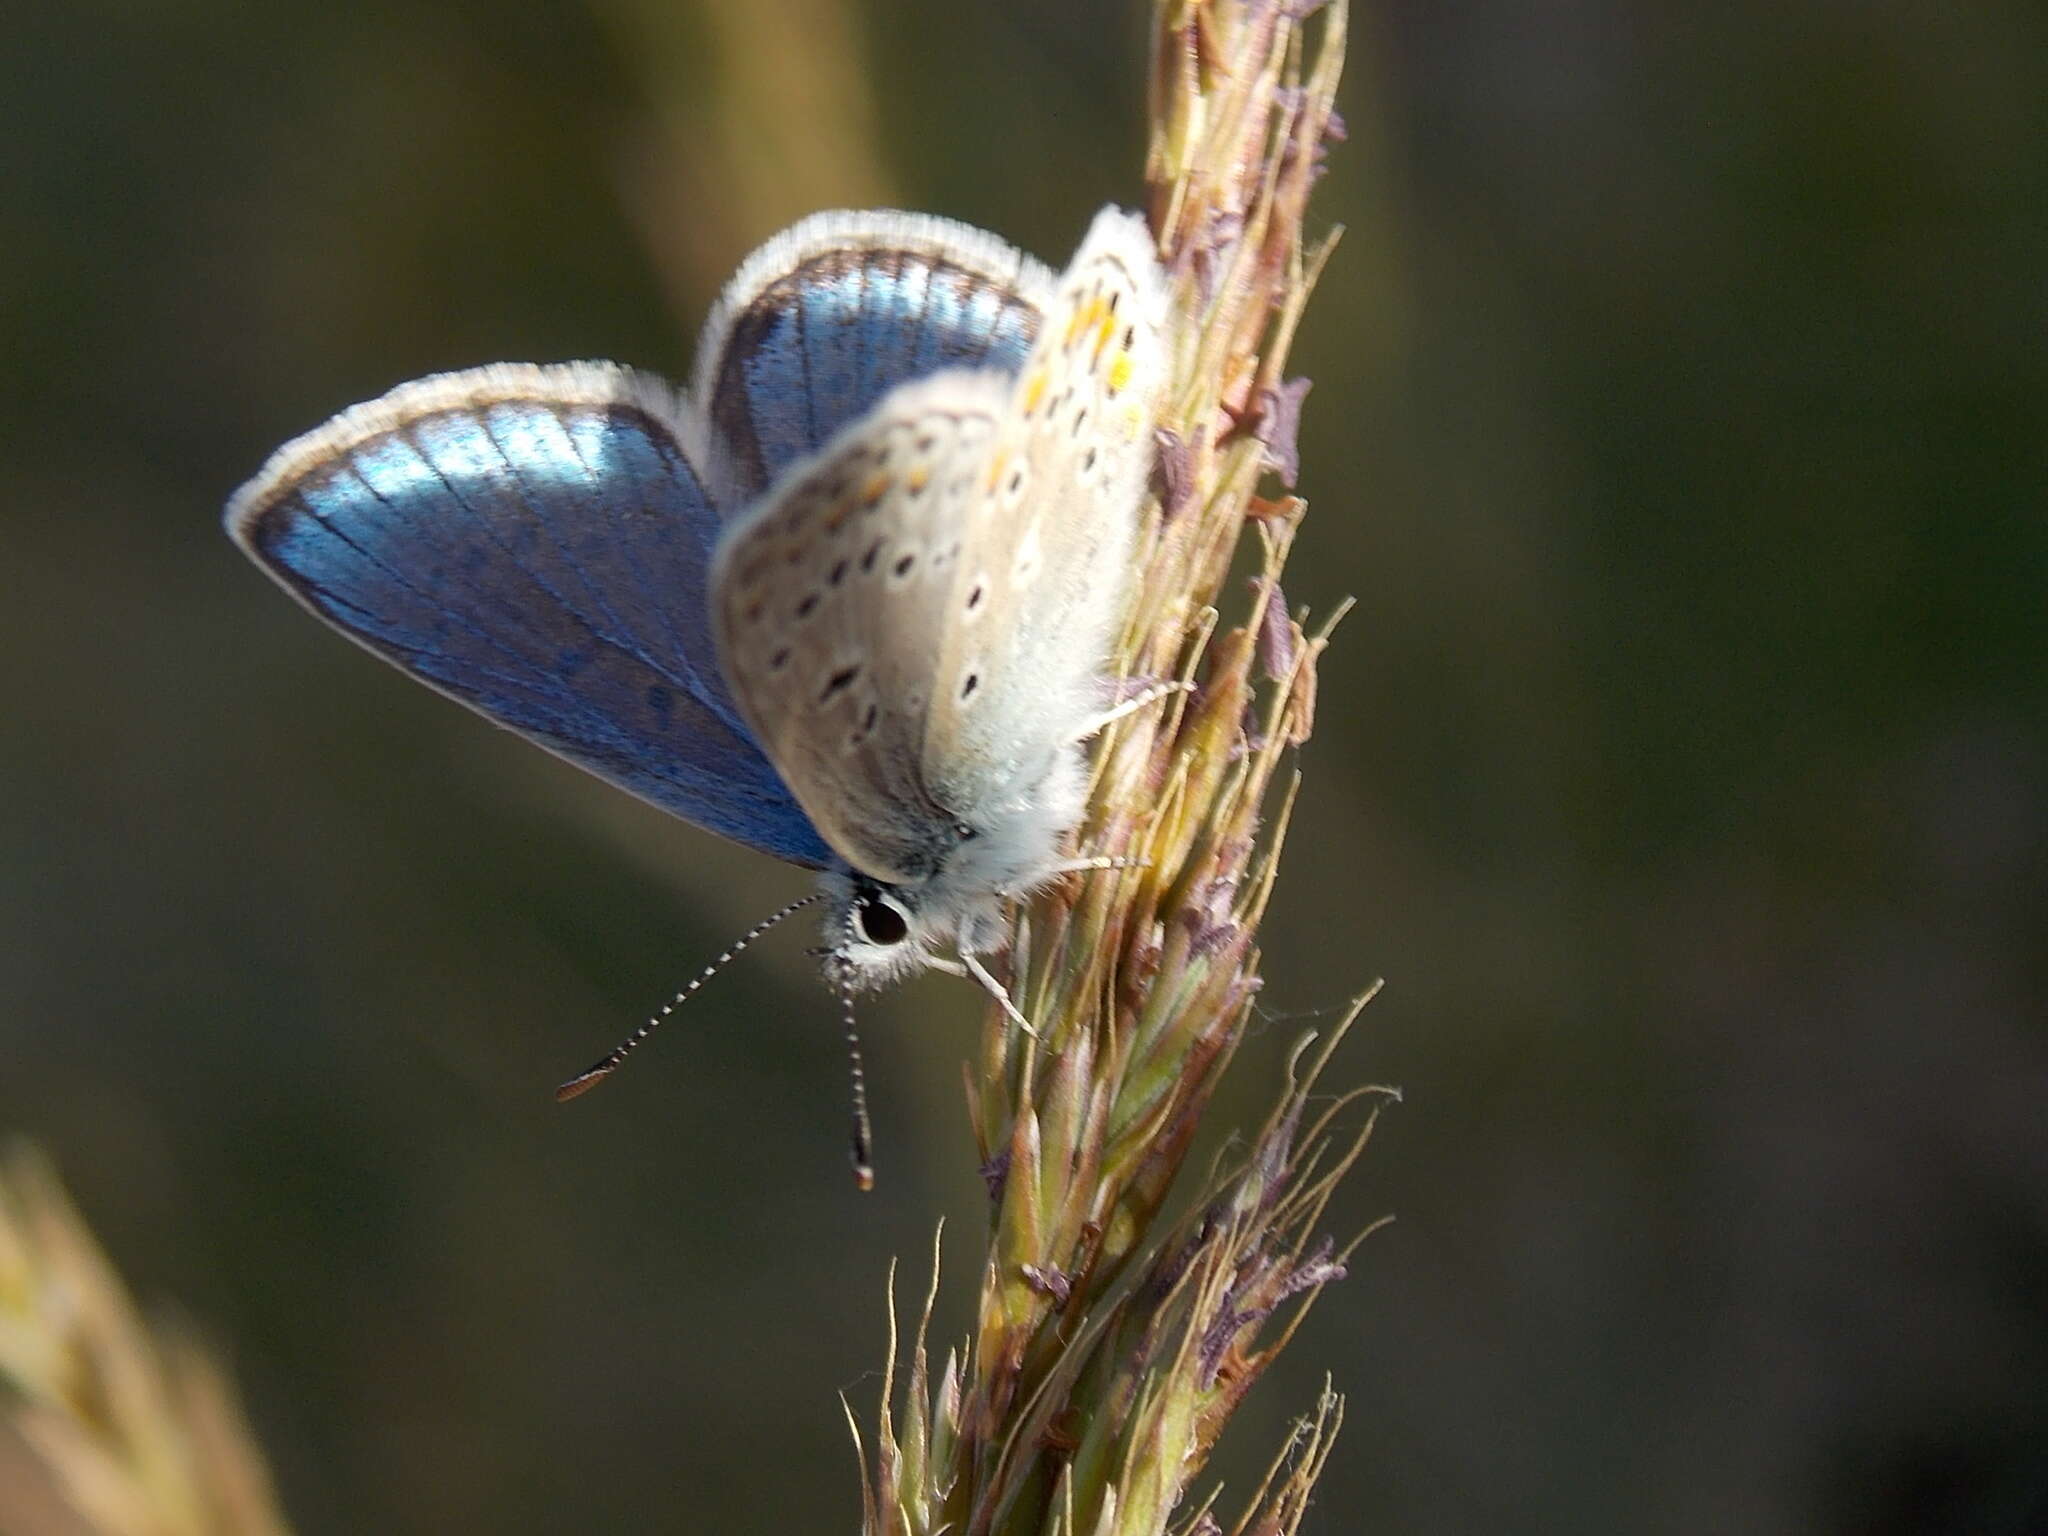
{"x": 1094, "y": 724}
{"x": 968, "y": 966}
{"x": 970, "y": 969}
{"x": 1100, "y": 861}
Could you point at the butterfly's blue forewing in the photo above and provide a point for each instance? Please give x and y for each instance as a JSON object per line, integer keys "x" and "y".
{"x": 532, "y": 542}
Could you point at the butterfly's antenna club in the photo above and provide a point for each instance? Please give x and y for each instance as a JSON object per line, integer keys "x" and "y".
{"x": 588, "y": 1079}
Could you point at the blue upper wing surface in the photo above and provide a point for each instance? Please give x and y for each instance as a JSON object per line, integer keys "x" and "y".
{"x": 837, "y": 310}
{"x": 534, "y": 543}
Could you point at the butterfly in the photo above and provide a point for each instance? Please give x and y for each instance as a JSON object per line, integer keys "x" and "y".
{"x": 847, "y": 599}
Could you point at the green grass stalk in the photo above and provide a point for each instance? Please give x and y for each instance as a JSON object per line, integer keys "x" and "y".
{"x": 1107, "y": 1353}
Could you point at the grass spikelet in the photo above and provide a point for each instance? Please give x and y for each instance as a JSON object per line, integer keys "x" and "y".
{"x": 1108, "y": 1354}
{"x": 134, "y": 1425}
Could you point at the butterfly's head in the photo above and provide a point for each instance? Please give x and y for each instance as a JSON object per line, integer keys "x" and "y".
{"x": 879, "y": 931}
{"x": 876, "y": 933}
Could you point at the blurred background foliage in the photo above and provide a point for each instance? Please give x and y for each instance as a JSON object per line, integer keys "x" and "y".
{"x": 1678, "y": 423}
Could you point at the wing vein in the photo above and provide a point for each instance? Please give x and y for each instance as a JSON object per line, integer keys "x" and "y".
{"x": 574, "y": 615}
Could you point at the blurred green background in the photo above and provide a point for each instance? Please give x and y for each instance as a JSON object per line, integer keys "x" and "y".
{"x": 1678, "y": 423}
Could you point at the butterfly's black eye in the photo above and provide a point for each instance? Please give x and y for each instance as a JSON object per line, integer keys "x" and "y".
{"x": 880, "y": 921}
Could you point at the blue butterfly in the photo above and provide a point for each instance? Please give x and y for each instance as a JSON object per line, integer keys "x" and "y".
{"x": 845, "y": 600}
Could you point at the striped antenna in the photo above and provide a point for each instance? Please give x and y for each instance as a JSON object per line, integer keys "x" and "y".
{"x": 863, "y": 1130}
{"x": 863, "y": 1127}
{"x": 588, "y": 1079}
